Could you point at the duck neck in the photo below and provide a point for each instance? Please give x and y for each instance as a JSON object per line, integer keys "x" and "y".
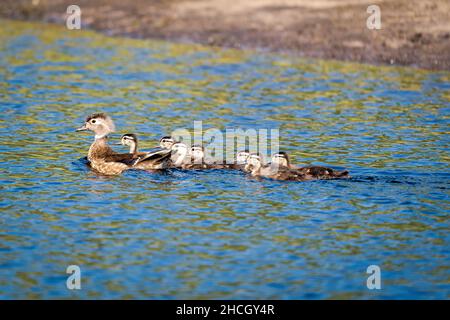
{"x": 133, "y": 148}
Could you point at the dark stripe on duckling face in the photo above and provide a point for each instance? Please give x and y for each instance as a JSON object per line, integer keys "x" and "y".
{"x": 130, "y": 136}
{"x": 166, "y": 138}
{"x": 166, "y": 142}
{"x": 130, "y": 140}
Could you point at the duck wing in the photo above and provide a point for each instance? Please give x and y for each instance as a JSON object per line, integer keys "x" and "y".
{"x": 125, "y": 158}
{"x": 156, "y": 155}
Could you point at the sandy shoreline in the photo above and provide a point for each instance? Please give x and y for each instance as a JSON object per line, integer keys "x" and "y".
{"x": 413, "y": 32}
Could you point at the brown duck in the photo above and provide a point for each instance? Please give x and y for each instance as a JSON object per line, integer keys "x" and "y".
{"x": 180, "y": 155}
{"x": 281, "y": 159}
{"x": 256, "y": 168}
{"x": 105, "y": 161}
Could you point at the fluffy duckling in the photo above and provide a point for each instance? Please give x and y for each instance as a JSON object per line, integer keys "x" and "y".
{"x": 190, "y": 158}
{"x": 104, "y": 160}
{"x": 241, "y": 160}
{"x": 166, "y": 142}
{"x": 257, "y": 169}
{"x": 281, "y": 159}
{"x": 197, "y": 154}
{"x": 180, "y": 155}
{"x": 196, "y": 159}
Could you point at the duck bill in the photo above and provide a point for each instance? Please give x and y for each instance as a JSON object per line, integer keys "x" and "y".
{"x": 82, "y": 128}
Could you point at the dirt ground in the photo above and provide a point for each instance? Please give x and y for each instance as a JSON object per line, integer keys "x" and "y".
{"x": 413, "y": 32}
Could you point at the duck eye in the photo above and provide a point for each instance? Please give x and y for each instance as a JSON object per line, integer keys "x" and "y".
{"x": 93, "y": 121}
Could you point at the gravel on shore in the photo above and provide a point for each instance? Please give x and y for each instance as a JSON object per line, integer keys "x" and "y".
{"x": 413, "y": 32}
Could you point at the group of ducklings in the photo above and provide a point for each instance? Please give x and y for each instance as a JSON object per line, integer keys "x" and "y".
{"x": 172, "y": 154}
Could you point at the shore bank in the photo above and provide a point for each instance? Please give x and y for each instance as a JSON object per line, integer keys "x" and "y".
{"x": 413, "y": 32}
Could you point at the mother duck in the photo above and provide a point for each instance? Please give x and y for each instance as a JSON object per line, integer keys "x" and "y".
{"x": 108, "y": 162}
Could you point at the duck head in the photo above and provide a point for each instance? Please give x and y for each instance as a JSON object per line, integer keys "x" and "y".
{"x": 166, "y": 142}
{"x": 180, "y": 152}
{"x": 197, "y": 154}
{"x": 254, "y": 163}
{"x": 130, "y": 140}
{"x": 242, "y": 156}
{"x": 281, "y": 159}
{"x": 99, "y": 123}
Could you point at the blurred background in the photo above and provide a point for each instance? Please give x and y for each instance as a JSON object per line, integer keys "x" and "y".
{"x": 413, "y": 32}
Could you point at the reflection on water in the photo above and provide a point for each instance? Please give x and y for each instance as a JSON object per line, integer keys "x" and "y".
{"x": 218, "y": 234}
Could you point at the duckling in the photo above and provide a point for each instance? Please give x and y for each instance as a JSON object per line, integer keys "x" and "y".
{"x": 242, "y": 156}
{"x": 197, "y": 154}
{"x": 100, "y": 155}
{"x": 282, "y": 160}
{"x": 166, "y": 142}
{"x": 257, "y": 169}
{"x": 197, "y": 160}
{"x": 179, "y": 155}
{"x": 241, "y": 160}
{"x": 131, "y": 140}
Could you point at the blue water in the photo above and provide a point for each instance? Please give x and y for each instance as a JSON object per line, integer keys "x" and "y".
{"x": 218, "y": 234}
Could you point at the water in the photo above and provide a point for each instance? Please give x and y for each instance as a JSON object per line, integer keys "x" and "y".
{"x": 218, "y": 234}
